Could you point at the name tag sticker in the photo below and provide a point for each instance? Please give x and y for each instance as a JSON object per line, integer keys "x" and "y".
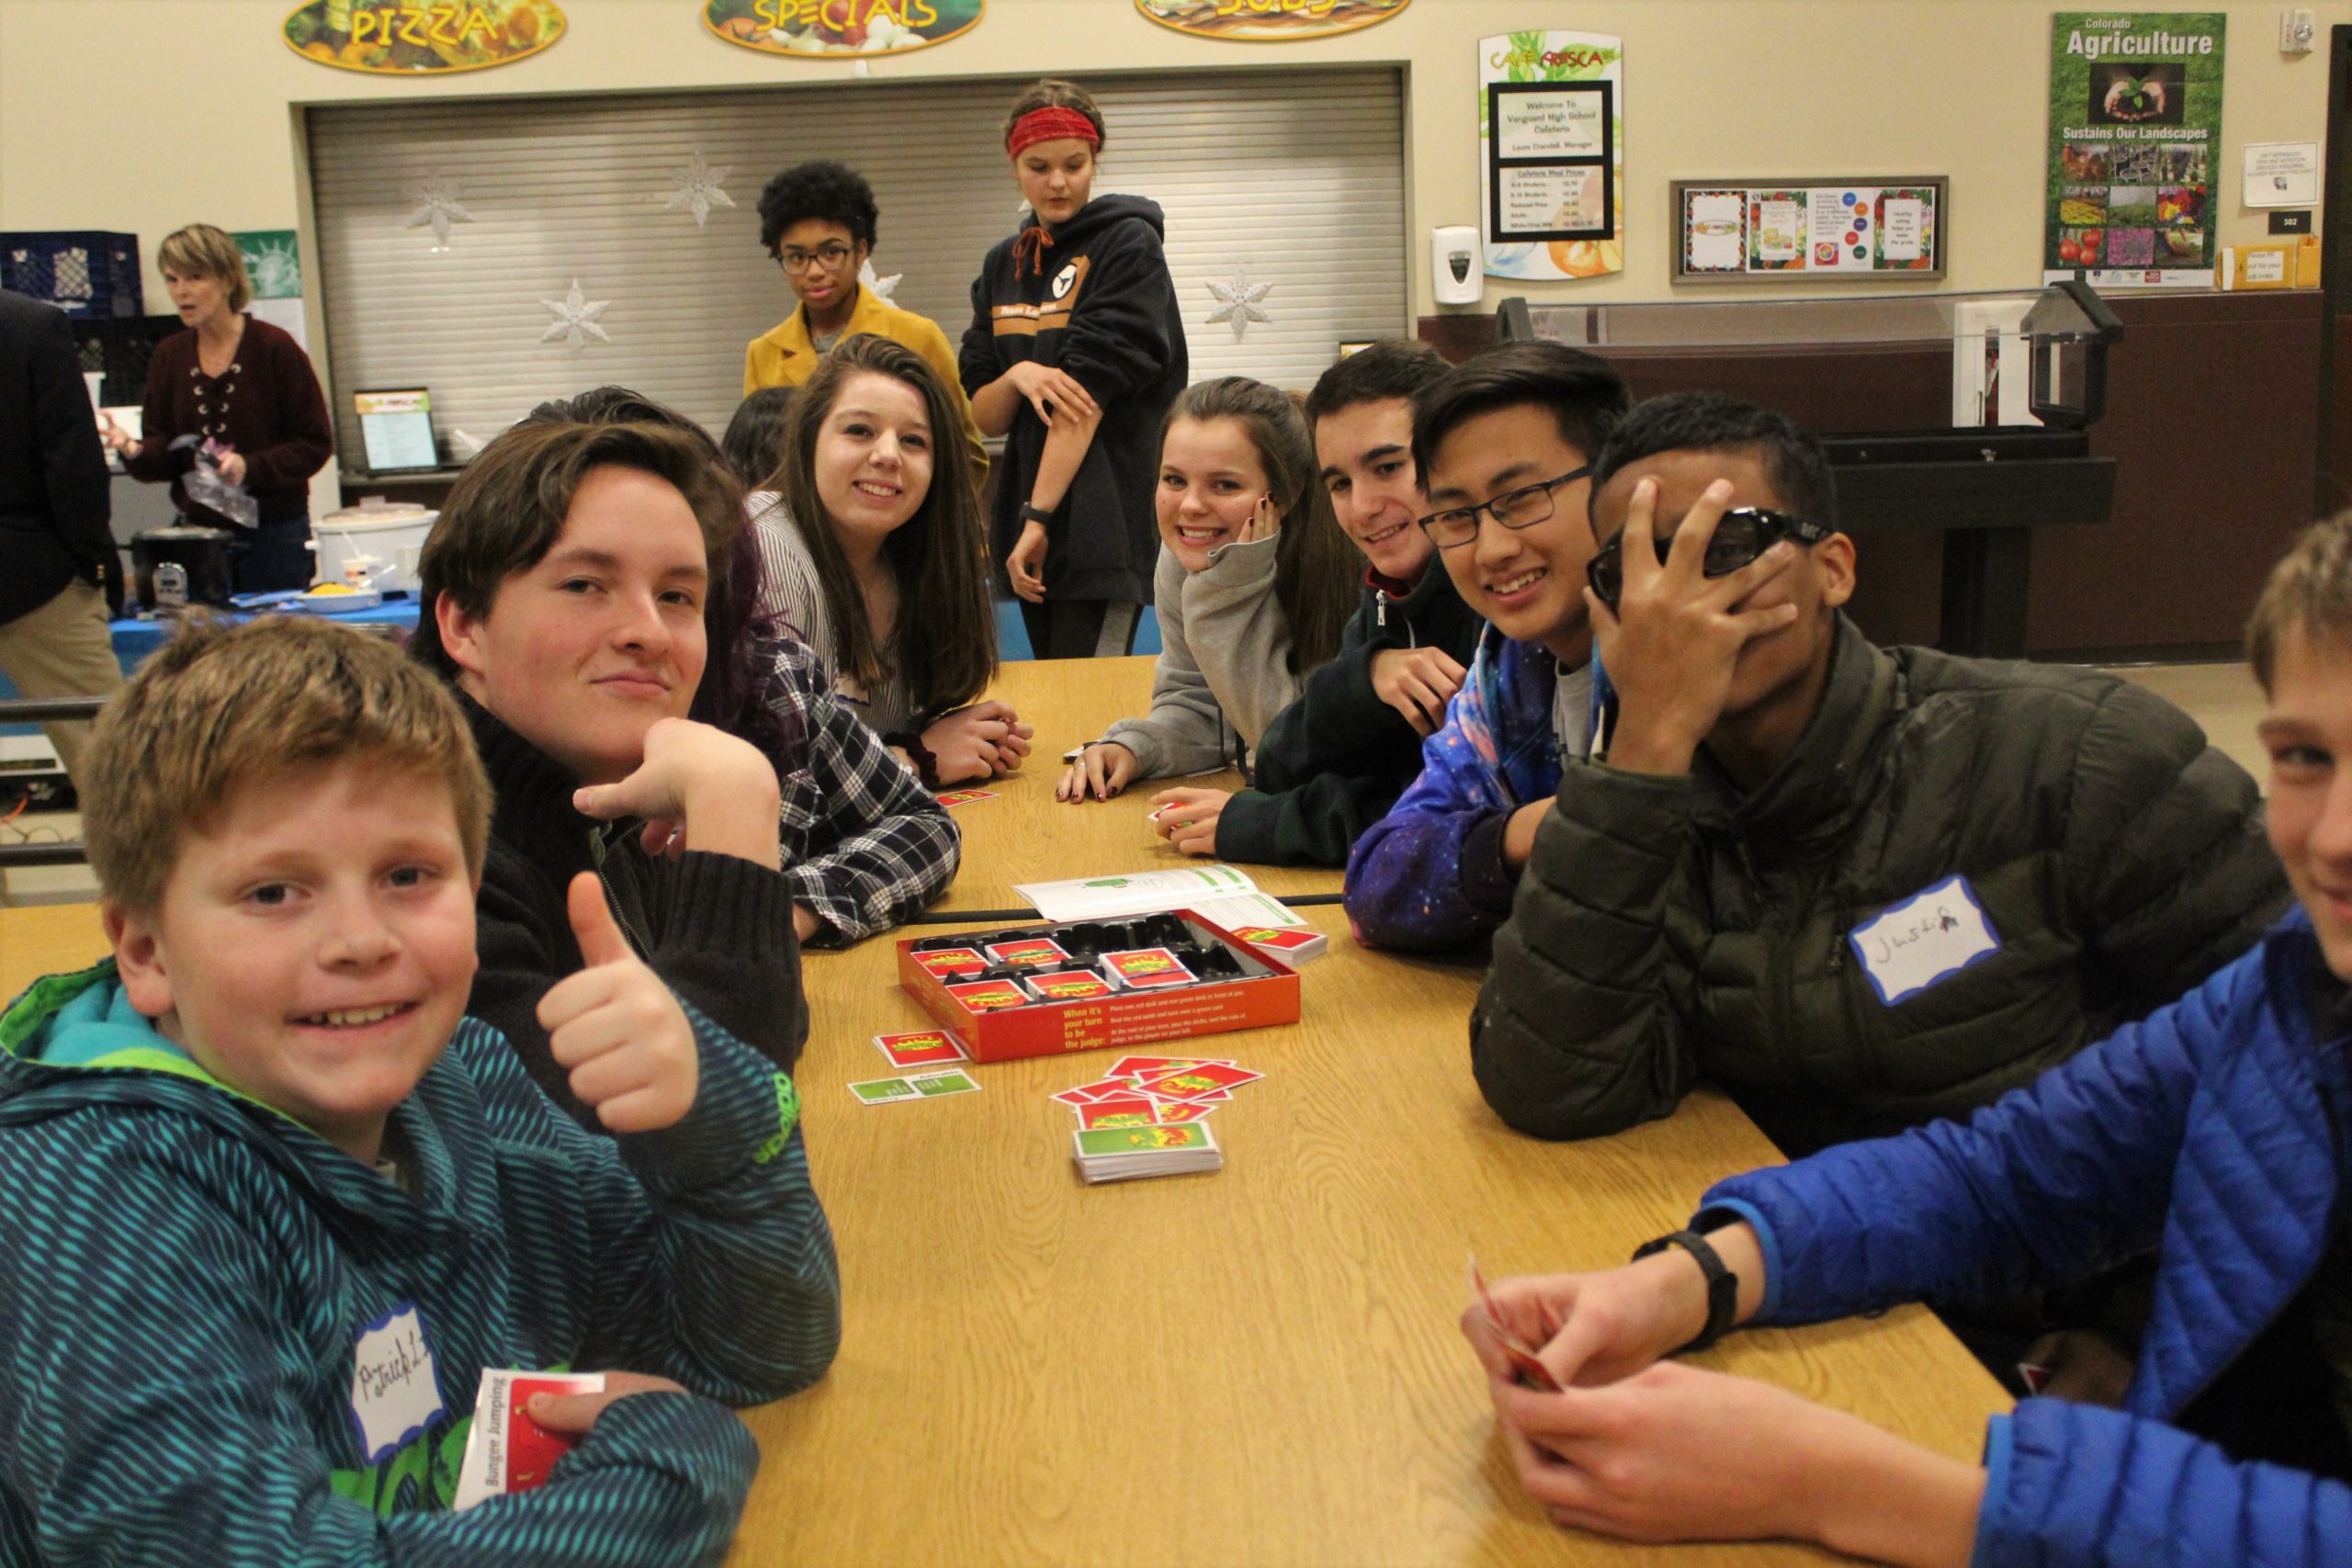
{"x": 1910, "y": 946}
{"x": 394, "y": 1393}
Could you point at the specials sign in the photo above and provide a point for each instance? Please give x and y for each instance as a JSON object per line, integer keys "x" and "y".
{"x": 422, "y": 38}
{"x": 822, "y": 29}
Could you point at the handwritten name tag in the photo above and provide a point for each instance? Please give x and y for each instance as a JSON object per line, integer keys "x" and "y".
{"x": 1929, "y": 936}
{"x": 394, "y": 1393}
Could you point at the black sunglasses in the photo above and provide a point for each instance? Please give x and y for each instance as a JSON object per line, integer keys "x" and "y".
{"x": 1742, "y": 534}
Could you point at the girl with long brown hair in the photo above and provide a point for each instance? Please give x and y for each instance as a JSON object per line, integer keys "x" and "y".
{"x": 874, "y": 557}
{"x": 1254, "y": 584}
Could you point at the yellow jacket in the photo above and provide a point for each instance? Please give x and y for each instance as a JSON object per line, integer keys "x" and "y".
{"x": 786, "y": 357}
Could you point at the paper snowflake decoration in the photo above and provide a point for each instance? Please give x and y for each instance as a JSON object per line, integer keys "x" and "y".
{"x": 576, "y": 320}
{"x": 695, "y": 188}
{"x": 437, "y": 204}
{"x": 1237, "y": 301}
{"x": 881, "y": 287}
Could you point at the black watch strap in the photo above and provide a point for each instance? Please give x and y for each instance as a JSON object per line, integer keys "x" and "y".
{"x": 1723, "y": 1285}
{"x": 1031, "y": 512}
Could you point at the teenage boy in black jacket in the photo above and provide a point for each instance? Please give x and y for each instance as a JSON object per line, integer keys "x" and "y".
{"x": 1333, "y": 762}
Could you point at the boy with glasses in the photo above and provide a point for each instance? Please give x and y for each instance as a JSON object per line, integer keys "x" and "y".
{"x": 818, "y": 221}
{"x": 1503, "y": 445}
{"x": 1862, "y": 887}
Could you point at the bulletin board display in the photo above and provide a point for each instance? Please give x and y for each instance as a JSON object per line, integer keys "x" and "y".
{"x": 1828, "y": 231}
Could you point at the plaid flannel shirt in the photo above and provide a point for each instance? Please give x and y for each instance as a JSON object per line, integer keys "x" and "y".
{"x": 864, "y": 844}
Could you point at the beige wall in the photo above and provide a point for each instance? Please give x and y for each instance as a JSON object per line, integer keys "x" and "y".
{"x": 141, "y": 115}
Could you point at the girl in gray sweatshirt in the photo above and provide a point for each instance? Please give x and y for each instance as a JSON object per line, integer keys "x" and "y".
{"x": 1254, "y": 583}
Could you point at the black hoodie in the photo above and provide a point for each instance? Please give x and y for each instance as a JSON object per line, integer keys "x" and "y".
{"x": 1094, "y": 298}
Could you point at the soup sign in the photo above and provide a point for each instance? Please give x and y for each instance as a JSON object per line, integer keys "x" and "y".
{"x": 826, "y": 28}
{"x": 422, "y": 38}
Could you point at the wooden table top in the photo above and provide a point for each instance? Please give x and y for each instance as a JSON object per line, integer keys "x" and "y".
{"x": 1258, "y": 1365}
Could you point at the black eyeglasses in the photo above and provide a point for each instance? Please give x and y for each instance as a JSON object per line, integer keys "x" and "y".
{"x": 827, "y": 256}
{"x": 1742, "y": 534}
{"x": 1520, "y": 508}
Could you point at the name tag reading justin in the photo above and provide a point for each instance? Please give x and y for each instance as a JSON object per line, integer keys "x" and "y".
{"x": 1926, "y": 938}
{"x": 394, "y": 1393}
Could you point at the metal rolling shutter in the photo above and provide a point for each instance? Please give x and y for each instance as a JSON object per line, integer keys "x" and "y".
{"x": 1297, "y": 176}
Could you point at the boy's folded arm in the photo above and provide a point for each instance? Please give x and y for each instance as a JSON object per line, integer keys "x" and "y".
{"x": 713, "y": 1259}
{"x": 1575, "y": 1034}
{"x": 160, "y": 1414}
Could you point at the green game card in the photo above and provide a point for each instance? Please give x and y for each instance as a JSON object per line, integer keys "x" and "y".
{"x": 931, "y": 1086}
{"x": 1097, "y": 1141}
{"x": 881, "y": 1091}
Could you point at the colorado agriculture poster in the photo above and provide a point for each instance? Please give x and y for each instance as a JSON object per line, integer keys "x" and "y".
{"x": 2135, "y": 139}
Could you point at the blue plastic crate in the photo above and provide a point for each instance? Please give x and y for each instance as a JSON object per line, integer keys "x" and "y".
{"x": 88, "y": 275}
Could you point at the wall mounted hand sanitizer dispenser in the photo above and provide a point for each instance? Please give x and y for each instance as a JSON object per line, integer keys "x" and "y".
{"x": 1456, "y": 265}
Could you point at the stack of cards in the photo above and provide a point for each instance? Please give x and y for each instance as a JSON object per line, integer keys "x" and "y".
{"x": 1122, "y": 1153}
{"x": 1292, "y": 944}
{"x": 1148, "y": 1116}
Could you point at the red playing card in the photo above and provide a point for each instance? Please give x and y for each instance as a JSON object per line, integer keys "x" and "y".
{"x": 923, "y": 1048}
{"x": 965, "y": 797}
{"x": 1144, "y": 968}
{"x": 1119, "y": 1111}
{"x": 1030, "y": 952}
{"x": 948, "y": 960}
{"x": 1175, "y": 1111}
{"x": 1193, "y": 1082}
{"x": 990, "y": 996}
{"x": 1528, "y": 1370}
{"x": 1153, "y": 1067}
{"x": 1104, "y": 1088}
{"x": 1070, "y": 986}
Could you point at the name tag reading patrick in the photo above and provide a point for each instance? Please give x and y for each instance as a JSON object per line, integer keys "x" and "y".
{"x": 1926, "y": 938}
{"x": 394, "y": 1393}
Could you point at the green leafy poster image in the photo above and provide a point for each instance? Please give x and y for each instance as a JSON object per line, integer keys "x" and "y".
{"x": 2135, "y": 144}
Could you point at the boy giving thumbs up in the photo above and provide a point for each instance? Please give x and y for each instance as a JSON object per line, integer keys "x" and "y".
{"x": 293, "y": 1203}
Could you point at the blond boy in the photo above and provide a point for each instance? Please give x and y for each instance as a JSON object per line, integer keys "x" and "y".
{"x": 277, "y": 1204}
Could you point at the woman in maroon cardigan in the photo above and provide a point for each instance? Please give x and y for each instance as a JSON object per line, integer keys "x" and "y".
{"x": 246, "y": 385}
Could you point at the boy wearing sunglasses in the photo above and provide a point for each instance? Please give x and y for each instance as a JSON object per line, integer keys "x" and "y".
{"x": 1862, "y": 887}
{"x": 1503, "y": 445}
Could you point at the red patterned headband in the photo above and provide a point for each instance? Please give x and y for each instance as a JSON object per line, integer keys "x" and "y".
{"x": 1050, "y": 124}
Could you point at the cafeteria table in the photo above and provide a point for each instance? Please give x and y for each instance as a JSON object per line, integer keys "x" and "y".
{"x": 1258, "y": 1365}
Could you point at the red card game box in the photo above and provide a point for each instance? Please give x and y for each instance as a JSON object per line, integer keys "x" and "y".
{"x": 1167, "y": 976}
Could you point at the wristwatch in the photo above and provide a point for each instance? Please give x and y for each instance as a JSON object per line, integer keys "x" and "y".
{"x": 1031, "y": 512}
{"x": 1723, "y": 1285}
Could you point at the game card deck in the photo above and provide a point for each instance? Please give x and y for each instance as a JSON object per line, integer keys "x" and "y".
{"x": 1294, "y": 945}
{"x": 923, "y": 1048}
{"x": 1126, "y": 1099}
{"x": 1147, "y": 968}
{"x": 1030, "y": 952}
{"x": 1125, "y": 1153}
{"x": 990, "y": 996}
{"x": 1071, "y": 985}
{"x": 507, "y": 1452}
{"x": 949, "y": 962}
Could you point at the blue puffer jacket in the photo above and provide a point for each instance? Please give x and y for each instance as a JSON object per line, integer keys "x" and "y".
{"x": 2216, "y": 1129}
{"x": 1430, "y": 876}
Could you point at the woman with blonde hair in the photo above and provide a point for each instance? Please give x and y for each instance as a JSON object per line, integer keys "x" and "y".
{"x": 237, "y": 399}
